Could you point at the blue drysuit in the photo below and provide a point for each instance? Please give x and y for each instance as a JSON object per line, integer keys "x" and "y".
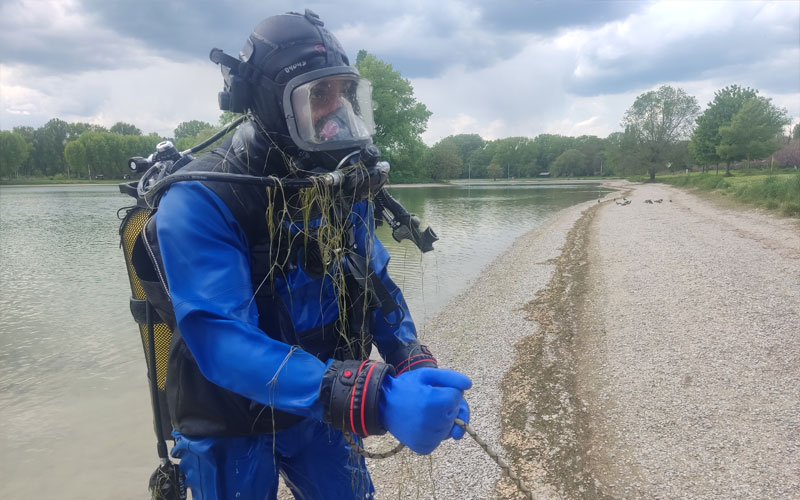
{"x": 206, "y": 260}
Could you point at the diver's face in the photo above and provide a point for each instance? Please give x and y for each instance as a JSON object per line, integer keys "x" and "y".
{"x": 326, "y": 97}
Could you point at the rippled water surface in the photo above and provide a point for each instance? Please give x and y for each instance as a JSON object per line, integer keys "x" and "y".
{"x": 74, "y": 406}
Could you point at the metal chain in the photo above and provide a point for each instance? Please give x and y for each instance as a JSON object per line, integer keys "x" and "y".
{"x": 469, "y": 430}
{"x": 499, "y": 461}
{"x": 368, "y": 454}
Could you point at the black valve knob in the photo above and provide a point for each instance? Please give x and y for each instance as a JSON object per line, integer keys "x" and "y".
{"x": 370, "y": 155}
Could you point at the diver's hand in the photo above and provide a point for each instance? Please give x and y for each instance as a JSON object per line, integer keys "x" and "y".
{"x": 463, "y": 414}
{"x": 419, "y": 407}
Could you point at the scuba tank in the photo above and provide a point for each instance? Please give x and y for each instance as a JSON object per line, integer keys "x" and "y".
{"x": 164, "y": 168}
{"x": 167, "y": 481}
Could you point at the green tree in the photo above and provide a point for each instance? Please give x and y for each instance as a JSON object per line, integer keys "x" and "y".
{"x": 75, "y": 154}
{"x": 478, "y": 161}
{"x": 105, "y": 153}
{"x": 705, "y": 139}
{"x": 517, "y": 155}
{"x": 612, "y": 148}
{"x": 227, "y": 116}
{"x": 399, "y": 118}
{"x": 186, "y": 142}
{"x": 753, "y": 131}
{"x": 13, "y": 153}
{"x": 570, "y": 163}
{"x": 74, "y": 130}
{"x": 549, "y": 147}
{"x": 123, "y": 128}
{"x": 494, "y": 171}
{"x": 411, "y": 160}
{"x": 796, "y": 132}
{"x": 657, "y": 120}
{"x": 621, "y": 154}
{"x": 593, "y": 148}
{"x": 47, "y": 155}
{"x": 191, "y": 128}
{"x": 679, "y": 158}
{"x": 443, "y": 162}
{"x": 465, "y": 145}
{"x": 27, "y": 133}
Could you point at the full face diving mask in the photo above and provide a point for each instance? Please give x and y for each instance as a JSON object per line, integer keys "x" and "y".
{"x": 329, "y": 109}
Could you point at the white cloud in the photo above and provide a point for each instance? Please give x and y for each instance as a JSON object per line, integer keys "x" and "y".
{"x": 488, "y": 78}
{"x": 532, "y": 91}
{"x": 156, "y": 97}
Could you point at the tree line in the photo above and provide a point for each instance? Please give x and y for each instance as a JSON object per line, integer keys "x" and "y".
{"x": 82, "y": 150}
{"x": 662, "y": 130}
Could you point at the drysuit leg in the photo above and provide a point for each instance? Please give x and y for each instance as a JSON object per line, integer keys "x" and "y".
{"x": 222, "y": 468}
{"x": 320, "y": 465}
{"x": 313, "y": 458}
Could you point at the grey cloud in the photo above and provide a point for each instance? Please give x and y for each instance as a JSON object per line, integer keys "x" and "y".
{"x": 180, "y": 28}
{"x": 58, "y": 51}
{"x": 697, "y": 57}
{"x": 549, "y": 16}
{"x": 120, "y": 32}
{"x": 188, "y": 29}
{"x": 192, "y": 27}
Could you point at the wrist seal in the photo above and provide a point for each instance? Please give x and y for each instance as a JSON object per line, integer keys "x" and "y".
{"x": 350, "y": 393}
{"x": 412, "y": 356}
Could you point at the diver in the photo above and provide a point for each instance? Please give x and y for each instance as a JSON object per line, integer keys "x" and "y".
{"x": 276, "y": 296}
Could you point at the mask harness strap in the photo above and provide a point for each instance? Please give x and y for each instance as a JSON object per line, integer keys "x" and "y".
{"x": 245, "y": 70}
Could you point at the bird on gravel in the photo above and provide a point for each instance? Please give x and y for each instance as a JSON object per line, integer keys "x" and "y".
{"x": 658, "y": 200}
{"x": 649, "y": 201}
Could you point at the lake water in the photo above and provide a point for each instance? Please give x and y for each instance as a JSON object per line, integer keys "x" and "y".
{"x": 74, "y": 403}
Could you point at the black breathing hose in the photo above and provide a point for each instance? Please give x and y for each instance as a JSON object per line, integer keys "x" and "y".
{"x": 227, "y": 128}
{"x": 330, "y": 179}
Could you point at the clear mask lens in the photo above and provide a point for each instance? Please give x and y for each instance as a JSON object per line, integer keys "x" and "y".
{"x": 333, "y": 109}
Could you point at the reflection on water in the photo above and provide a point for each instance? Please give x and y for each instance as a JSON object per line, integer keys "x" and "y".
{"x": 74, "y": 406}
{"x": 475, "y": 224}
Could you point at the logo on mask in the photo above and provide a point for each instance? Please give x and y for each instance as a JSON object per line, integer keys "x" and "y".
{"x": 294, "y": 66}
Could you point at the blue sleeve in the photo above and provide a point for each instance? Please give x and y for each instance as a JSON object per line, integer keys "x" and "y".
{"x": 386, "y": 330}
{"x": 206, "y": 261}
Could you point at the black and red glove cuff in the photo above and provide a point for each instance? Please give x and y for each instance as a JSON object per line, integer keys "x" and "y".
{"x": 350, "y": 393}
{"x": 412, "y": 356}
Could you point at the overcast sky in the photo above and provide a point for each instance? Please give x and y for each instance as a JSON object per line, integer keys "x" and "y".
{"x": 497, "y": 68}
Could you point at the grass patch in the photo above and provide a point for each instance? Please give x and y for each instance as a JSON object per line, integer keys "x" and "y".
{"x": 778, "y": 192}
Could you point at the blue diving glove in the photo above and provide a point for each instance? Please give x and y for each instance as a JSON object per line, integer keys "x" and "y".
{"x": 420, "y": 406}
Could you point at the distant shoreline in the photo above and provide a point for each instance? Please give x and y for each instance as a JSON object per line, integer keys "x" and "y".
{"x": 451, "y": 183}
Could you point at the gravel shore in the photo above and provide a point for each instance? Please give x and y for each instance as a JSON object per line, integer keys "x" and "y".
{"x": 477, "y": 334}
{"x": 647, "y": 350}
{"x": 690, "y": 356}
